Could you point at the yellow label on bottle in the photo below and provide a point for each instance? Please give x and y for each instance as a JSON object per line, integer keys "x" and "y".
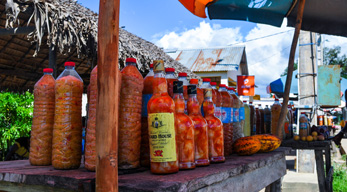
{"x": 162, "y": 137}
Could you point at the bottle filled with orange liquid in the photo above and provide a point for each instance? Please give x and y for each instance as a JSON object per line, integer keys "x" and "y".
{"x": 216, "y": 98}
{"x": 200, "y": 92}
{"x": 161, "y": 125}
{"x": 146, "y": 96}
{"x": 215, "y": 130}
{"x": 275, "y": 116}
{"x": 200, "y": 128}
{"x": 170, "y": 78}
{"x": 185, "y": 130}
{"x": 227, "y": 116}
{"x": 183, "y": 77}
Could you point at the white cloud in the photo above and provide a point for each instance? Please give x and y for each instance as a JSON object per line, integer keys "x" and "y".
{"x": 267, "y": 57}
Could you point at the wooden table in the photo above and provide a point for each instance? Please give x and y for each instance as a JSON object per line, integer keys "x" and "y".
{"x": 325, "y": 178}
{"x": 238, "y": 173}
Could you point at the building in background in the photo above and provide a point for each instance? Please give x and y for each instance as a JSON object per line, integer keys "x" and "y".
{"x": 221, "y": 65}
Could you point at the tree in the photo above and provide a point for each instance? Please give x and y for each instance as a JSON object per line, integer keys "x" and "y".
{"x": 16, "y": 112}
{"x": 332, "y": 56}
{"x": 286, "y": 70}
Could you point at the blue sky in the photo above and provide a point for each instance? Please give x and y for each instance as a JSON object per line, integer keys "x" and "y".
{"x": 168, "y": 24}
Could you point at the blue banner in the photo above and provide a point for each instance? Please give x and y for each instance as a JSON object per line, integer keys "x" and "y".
{"x": 226, "y": 114}
{"x": 145, "y": 99}
{"x": 242, "y": 113}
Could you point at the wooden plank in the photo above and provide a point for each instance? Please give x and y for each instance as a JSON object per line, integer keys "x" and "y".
{"x": 320, "y": 170}
{"x": 291, "y": 64}
{"x": 108, "y": 97}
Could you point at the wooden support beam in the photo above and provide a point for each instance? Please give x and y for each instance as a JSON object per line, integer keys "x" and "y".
{"x": 108, "y": 97}
{"x": 291, "y": 65}
{"x": 17, "y": 31}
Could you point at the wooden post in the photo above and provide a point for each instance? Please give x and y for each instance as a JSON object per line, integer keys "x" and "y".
{"x": 291, "y": 64}
{"x": 108, "y": 97}
{"x": 52, "y": 60}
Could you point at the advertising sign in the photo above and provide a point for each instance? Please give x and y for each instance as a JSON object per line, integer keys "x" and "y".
{"x": 245, "y": 85}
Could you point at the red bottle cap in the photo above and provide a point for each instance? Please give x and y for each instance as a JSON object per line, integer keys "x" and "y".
{"x": 48, "y": 70}
{"x": 229, "y": 88}
{"x": 276, "y": 99}
{"x": 250, "y": 102}
{"x": 169, "y": 70}
{"x": 182, "y": 74}
{"x": 222, "y": 85}
{"x": 69, "y": 63}
{"x": 130, "y": 60}
{"x": 213, "y": 83}
{"x": 245, "y": 101}
{"x": 303, "y": 113}
{"x": 194, "y": 81}
{"x": 151, "y": 66}
{"x": 206, "y": 80}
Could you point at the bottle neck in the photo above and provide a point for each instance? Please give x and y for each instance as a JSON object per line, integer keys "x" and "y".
{"x": 222, "y": 89}
{"x": 184, "y": 80}
{"x": 159, "y": 83}
{"x": 47, "y": 74}
{"x": 69, "y": 67}
{"x": 130, "y": 63}
{"x": 214, "y": 87}
{"x": 208, "y": 106}
{"x": 206, "y": 84}
{"x": 193, "y": 105}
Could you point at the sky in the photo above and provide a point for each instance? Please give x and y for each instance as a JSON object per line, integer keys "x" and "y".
{"x": 168, "y": 24}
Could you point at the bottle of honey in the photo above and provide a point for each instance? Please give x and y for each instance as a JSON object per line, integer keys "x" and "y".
{"x": 200, "y": 128}
{"x": 130, "y": 105}
{"x": 170, "y": 78}
{"x": 183, "y": 77}
{"x": 185, "y": 130}
{"x": 161, "y": 125}
{"x": 200, "y": 92}
{"x": 215, "y": 130}
{"x": 227, "y": 116}
{"x": 146, "y": 95}
{"x": 43, "y": 119}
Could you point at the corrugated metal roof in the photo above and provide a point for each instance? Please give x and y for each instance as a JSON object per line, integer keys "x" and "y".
{"x": 219, "y": 59}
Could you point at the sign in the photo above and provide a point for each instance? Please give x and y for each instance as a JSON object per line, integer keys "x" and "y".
{"x": 245, "y": 85}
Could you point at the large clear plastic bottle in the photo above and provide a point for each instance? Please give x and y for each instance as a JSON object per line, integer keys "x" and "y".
{"x": 267, "y": 119}
{"x": 67, "y": 130}
{"x": 146, "y": 96}
{"x": 247, "y": 127}
{"x": 275, "y": 115}
{"x": 185, "y": 130}
{"x": 237, "y": 129}
{"x": 253, "y": 118}
{"x": 170, "y": 78}
{"x": 303, "y": 125}
{"x": 227, "y": 103}
{"x": 161, "y": 121}
{"x": 216, "y": 98}
{"x": 43, "y": 120}
{"x": 183, "y": 77}
{"x": 90, "y": 149}
{"x": 130, "y": 106}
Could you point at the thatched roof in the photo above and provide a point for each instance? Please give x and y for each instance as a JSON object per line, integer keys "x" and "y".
{"x": 68, "y": 27}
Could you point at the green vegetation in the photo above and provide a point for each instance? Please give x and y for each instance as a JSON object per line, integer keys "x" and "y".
{"x": 16, "y": 111}
{"x": 285, "y": 72}
{"x": 340, "y": 177}
{"x": 333, "y": 57}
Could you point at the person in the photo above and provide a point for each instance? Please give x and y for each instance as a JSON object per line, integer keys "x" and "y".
{"x": 19, "y": 150}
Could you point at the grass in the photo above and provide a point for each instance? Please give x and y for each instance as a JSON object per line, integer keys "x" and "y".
{"x": 340, "y": 177}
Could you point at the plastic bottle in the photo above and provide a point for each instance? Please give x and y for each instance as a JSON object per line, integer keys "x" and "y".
{"x": 258, "y": 120}
{"x": 183, "y": 77}
{"x": 185, "y": 130}
{"x": 303, "y": 125}
{"x": 90, "y": 149}
{"x": 267, "y": 119}
{"x": 215, "y": 130}
{"x": 130, "y": 106}
{"x": 242, "y": 118}
{"x": 161, "y": 121}
{"x": 170, "y": 78}
{"x": 237, "y": 129}
{"x": 200, "y": 128}
{"x": 43, "y": 120}
{"x": 275, "y": 115}
{"x": 253, "y": 118}
{"x": 287, "y": 124}
{"x": 262, "y": 121}
{"x": 216, "y": 98}
{"x": 247, "y": 127}
{"x": 146, "y": 96}
{"x": 227, "y": 116}
{"x": 200, "y": 92}
{"x": 67, "y": 130}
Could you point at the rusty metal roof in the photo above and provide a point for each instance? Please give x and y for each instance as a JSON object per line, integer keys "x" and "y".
{"x": 208, "y": 60}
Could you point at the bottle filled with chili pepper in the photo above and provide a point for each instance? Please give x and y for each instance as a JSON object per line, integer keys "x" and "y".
{"x": 216, "y": 98}
{"x": 43, "y": 120}
{"x": 67, "y": 129}
{"x": 90, "y": 149}
{"x": 161, "y": 125}
{"x": 206, "y": 84}
{"x": 227, "y": 116}
{"x": 130, "y": 105}
{"x": 170, "y": 78}
{"x": 185, "y": 130}
{"x": 215, "y": 130}
{"x": 146, "y": 96}
{"x": 200, "y": 128}
{"x": 183, "y": 77}
{"x": 200, "y": 92}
